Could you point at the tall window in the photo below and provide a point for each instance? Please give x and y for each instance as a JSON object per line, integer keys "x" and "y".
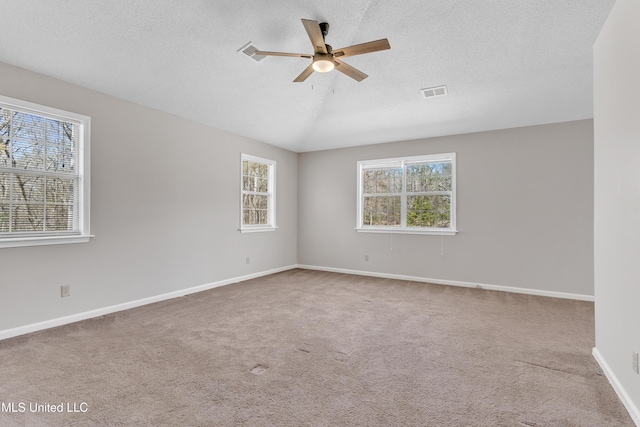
{"x": 408, "y": 195}
{"x": 258, "y": 203}
{"x": 44, "y": 192}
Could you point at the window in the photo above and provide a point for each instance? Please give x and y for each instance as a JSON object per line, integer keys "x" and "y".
{"x": 408, "y": 195}
{"x": 44, "y": 179}
{"x": 258, "y": 196}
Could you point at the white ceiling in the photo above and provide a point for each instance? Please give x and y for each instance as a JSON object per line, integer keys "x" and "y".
{"x": 506, "y": 63}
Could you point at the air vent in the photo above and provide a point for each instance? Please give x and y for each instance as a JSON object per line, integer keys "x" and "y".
{"x": 434, "y": 91}
{"x": 250, "y": 50}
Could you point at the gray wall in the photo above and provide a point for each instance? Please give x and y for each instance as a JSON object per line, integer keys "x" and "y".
{"x": 164, "y": 210}
{"x": 525, "y": 211}
{"x": 617, "y": 196}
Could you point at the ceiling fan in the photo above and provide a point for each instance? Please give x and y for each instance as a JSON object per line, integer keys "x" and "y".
{"x": 325, "y": 58}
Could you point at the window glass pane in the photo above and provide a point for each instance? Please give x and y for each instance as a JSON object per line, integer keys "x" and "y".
{"x": 429, "y": 211}
{"x": 394, "y": 211}
{"x": 251, "y": 217}
{"x": 395, "y": 180}
{"x": 247, "y": 183}
{"x": 255, "y": 209}
{"x": 59, "y": 218}
{"x": 27, "y": 142}
{"x": 382, "y": 210}
{"x": 5, "y": 187}
{"x": 261, "y": 202}
{"x": 262, "y": 185}
{"x": 5, "y": 195}
{"x": 255, "y": 201}
{"x": 414, "y": 174}
{"x": 59, "y": 158}
{"x": 61, "y": 190}
{"x": 429, "y": 177}
{"x": 255, "y": 177}
{"x": 27, "y": 217}
{"x": 255, "y": 217}
{"x": 420, "y": 211}
{"x": 5, "y": 116}
{"x": 255, "y": 169}
{"x": 262, "y": 170}
{"x": 68, "y": 161}
{"x": 60, "y": 132}
{"x": 255, "y": 184}
{"x": 55, "y": 134}
{"x": 368, "y": 181}
{"x": 54, "y": 159}
{"x": 4, "y": 218}
{"x": 263, "y": 217}
{"x": 384, "y": 180}
{"x": 445, "y": 183}
{"x": 27, "y": 188}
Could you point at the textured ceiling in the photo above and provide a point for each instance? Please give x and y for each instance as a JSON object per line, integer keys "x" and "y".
{"x": 506, "y": 63}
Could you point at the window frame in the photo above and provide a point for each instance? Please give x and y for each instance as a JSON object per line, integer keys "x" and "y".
{"x": 271, "y": 196}
{"x": 401, "y": 162}
{"x": 82, "y": 165}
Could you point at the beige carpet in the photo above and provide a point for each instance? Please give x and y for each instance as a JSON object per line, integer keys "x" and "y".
{"x": 307, "y": 348}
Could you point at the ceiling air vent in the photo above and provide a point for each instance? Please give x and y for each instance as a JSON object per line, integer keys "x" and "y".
{"x": 434, "y": 91}
{"x": 250, "y": 50}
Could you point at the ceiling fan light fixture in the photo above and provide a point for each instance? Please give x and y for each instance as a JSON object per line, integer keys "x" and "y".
{"x": 323, "y": 63}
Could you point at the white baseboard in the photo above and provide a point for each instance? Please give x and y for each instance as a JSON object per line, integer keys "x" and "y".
{"x": 34, "y": 327}
{"x": 633, "y": 410}
{"x": 538, "y": 292}
{"x": 26, "y": 329}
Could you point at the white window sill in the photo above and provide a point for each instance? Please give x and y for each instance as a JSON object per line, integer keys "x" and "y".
{"x": 256, "y": 229}
{"x": 433, "y": 232}
{"x": 14, "y": 242}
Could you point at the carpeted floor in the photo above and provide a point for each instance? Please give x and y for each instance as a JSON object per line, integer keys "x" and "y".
{"x": 308, "y": 348}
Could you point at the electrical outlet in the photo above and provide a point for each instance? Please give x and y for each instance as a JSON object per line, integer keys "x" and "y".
{"x": 247, "y": 260}
{"x": 366, "y": 257}
{"x": 65, "y": 291}
{"x": 634, "y": 362}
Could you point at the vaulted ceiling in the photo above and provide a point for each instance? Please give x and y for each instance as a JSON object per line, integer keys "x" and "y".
{"x": 505, "y": 63}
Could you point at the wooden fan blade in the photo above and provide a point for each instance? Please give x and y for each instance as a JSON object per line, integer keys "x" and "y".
{"x": 299, "y": 55}
{"x": 350, "y": 71}
{"x": 315, "y": 35}
{"x": 359, "y": 49}
{"x": 306, "y": 73}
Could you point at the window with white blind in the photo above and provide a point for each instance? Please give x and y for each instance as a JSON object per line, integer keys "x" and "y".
{"x": 44, "y": 180}
{"x": 408, "y": 195}
{"x": 258, "y": 194}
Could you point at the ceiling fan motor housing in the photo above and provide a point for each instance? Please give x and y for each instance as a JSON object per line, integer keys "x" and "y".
{"x": 324, "y": 27}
